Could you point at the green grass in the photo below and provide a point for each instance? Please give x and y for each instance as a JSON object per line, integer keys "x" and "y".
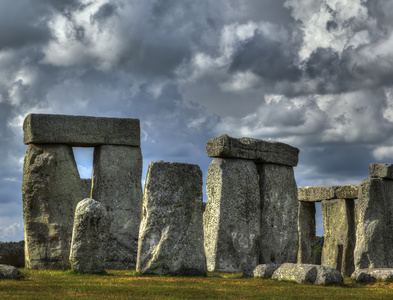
{"x": 50, "y": 284}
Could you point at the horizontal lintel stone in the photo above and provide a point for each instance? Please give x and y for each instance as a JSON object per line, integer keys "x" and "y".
{"x": 327, "y": 192}
{"x": 259, "y": 151}
{"x": 381, "y": 170}
{"x": 80, "y": 131}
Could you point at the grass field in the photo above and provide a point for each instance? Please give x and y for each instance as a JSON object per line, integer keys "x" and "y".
{"x": 48, "y": 284}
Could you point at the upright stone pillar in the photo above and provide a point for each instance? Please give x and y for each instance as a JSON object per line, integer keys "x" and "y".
{"x": 232, "y": 215}
{"x": 171, "y": 230}
{"x": 374, "y": 209}
{"x": 279, "y": 211}
{"x": 51, "y": 190}
{"x": 307, "y": 233}
{"x": 117, "y": 172}
{"x": 339, "y": 230}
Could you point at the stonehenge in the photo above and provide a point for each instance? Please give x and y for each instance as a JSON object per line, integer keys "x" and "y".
{"x": 255, "y": 218}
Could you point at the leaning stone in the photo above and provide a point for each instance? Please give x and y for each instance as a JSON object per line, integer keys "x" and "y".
{"x": 349, "y": 191}
{"x": 171, "y": 231}
{"x": 9, "y": 272}
{"x": 86, "y": 186}
{"x": 374, "y": 231}
{"x": 89, "y": 237}
{"x": 307, "y": 233}
{"x": 317, "y": 193}
{"x": 279, "y": 242}
{"x": 381, "y": 171}
{"x": 257, "y": 150}
{"x": 51, "y": 190}
{"x": 80, "y": 131}
{"x": 12, "y": 254}
{"x": 339, "y": 230}
{"x": 328, "y": 276}
{"x": 117, "y": 172}
{"x": 232, "y": 217}
{"x": 261, "y": 271}
{"x": 371, "y": 275}
{"x": 300, "y": 273}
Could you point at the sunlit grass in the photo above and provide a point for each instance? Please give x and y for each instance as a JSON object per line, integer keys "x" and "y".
{"x": 114, "y": 284}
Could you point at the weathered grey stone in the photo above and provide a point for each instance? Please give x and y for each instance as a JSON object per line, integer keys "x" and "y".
{"x": 349, "y": 191}
{"x": 339, "y": 229}
{"x": 317, "y": 193}
{"x": 171, "y": 231}
{"x": 9, "y": 272}
{"x": 308, "y": 273}
{"x": 12, "y": 254}
{"x": 279, "y": 241}
{"x": 381, "y": 170}
{"x": 328, "y": 276}
{"x": 307, "y": 233}
{"x": 80, "y": 131}
{"x": 89, "y": 237}
{"x": 261, "y": 151}
{"x": 51, "y": 190}
{"x": 86, "y": 186}
{"x": 370, "y": 275}
{"x": 117, "y": 172}
{"x": 374, "y": 231}
{"x": 261, "y": 271}
{"x": 300, "y": 273}
{"x": 232, "y": 217}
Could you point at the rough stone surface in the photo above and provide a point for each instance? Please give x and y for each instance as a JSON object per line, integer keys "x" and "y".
{"x": 12, "y": 254}
{"x": 261, "y": 151}
{"x": 9, "y": 272}
{"x": 279, "y": 241}
{"x": 349, "y": 191}
{"x": 80, "y": 131}
{"x": 317, "y": 193}
{"x": 89, "y": 237}
{"x": 307, "y": 233}
{"x": 261, "y": 271}
{"x": 117, "y": 176}
{"x": 86, "y": 186}
{"x": 171, "y": 231}
{"x": 308, "y": 273}
{"x": 381, "y": 170}
{"x": 300, "y": 273}
{"x": 374, "y": 231}
{"x": 370, "y": 275}
{"x": 232, "y": 216}
{"x": 339, "y": 231}
{"x": 51, "y": 190}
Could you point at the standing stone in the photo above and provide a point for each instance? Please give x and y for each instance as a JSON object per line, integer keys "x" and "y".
{"x": 374, "y": 232}
{"x": 171, "y": 231}
{"x": 307, "y": 233}
{"x": 86, "y": 186}
{"x": 89, "y": 237}
{"x": 51, "y": 190}
{"x": 12, "y": 254}
{"x": 117, "y": 172}
{"x": 232, "y": 216}
{"x": 279, "y": 214}
{"x": 339, "y": 229}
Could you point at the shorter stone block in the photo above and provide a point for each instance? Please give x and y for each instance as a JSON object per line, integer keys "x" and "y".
{"x": 12, "y": 254}
{"x": 328, "y": 276}
{"x": 9, "y": 272}
{"x": 381, "y": 170}
{"x": 171, "y": 230}
{"x": 307, "y": 233}
{"x": 372, "y": 275}
{"x": 260, "y": 151}
{"x": 316, "y": 193}
{"x": 349, "y": 191}
{"x": 264, "y": 271}
{"x": 80, "y": 131}
{"x": 89, "y": 237}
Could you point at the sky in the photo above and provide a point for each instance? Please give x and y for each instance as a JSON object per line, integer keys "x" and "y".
{"x": 317, "y": 75}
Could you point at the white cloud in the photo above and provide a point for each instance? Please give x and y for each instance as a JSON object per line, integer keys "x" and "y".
{"x": 383, "y": 152}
